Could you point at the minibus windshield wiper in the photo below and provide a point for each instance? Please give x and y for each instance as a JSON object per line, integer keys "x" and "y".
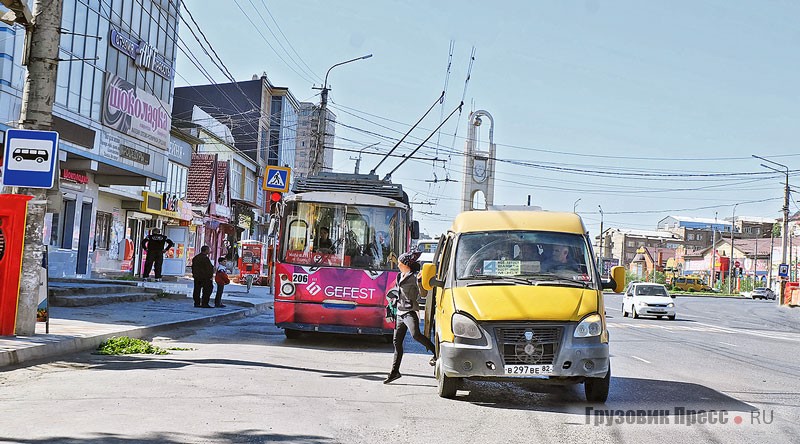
{"x": 555, "y": 279}
{"x": 493, "y": 278}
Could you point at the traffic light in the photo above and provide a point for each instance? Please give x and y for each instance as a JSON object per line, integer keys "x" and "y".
{"x": 275, "y": 198}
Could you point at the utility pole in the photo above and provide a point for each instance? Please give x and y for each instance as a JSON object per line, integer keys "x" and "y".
{"x": 713, "y": 252}
{"x": 730, "y": 262}
{"x": 771, "y": 249}
{"x": 600, "y": 254}
{"x": 43, "y": 35}
{"x": 319, "y": 150}
{"x": 784, "y": 237}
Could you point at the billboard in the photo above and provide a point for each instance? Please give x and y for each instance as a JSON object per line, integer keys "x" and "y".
{"x": 135, "y": 112}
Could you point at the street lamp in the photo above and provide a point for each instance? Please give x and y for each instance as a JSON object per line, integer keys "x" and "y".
{"x": 575, "y": 205}
{"x": 320, "y": 147}
{"x": 358, "y": 161}
{"x": 730, "y": 261}
{"x": 784, "y": 240}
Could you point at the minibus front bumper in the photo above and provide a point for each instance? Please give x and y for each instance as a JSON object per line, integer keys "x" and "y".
{"x": 526, "y": 351}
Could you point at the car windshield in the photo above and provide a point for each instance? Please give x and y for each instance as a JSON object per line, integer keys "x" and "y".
{"x": 650, "y": 290}
{"x": 533, "y": 254}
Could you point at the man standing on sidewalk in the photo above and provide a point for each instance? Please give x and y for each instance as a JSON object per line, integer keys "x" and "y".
{"x": 202, "y": 273}
{"x": 154, "y": 245}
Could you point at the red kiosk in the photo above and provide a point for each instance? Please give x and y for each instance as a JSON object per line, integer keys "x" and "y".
{"x": 13, "y": 212}
{"x": 250, "y": 260}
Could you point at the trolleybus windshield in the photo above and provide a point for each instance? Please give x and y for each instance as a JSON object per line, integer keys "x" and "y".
{"x": 339, "y": 235}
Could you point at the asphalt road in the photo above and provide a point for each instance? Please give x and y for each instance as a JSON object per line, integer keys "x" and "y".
{"x": 244, "y": 382}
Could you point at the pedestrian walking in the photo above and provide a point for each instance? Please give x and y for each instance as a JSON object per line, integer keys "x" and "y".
{"x": 407, "y": 308}
{"x": 155, "y": 245}
{"x": 222, "y": 279}
{"x": 203, "y": 275}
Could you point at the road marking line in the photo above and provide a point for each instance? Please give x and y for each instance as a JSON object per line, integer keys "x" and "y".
{"x": 725, "y": 343}
{"x": 753, "y": 333}
{"x": 643, "y": 360}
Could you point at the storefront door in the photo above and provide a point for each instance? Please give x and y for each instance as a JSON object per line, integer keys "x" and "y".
{"x": 175, "y": 259}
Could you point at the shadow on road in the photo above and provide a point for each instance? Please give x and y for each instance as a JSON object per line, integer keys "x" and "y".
{"x": 625, "y": 394}
{"x": 140, "y": 362}
{"x": 243, "y": 436}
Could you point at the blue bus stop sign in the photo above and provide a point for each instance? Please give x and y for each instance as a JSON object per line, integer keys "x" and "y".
{"x": 30, "y": 158}
{"x": 783, "y": 270}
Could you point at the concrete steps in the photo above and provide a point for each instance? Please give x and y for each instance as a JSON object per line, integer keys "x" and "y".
{"x": 85, "y": 293}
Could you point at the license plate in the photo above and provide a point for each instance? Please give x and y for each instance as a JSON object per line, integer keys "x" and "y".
{"x": 658, "y": 311}
{"x": 528, "y": 370}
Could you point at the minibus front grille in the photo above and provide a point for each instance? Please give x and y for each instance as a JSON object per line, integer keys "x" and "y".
{"x": 533, "y": 345}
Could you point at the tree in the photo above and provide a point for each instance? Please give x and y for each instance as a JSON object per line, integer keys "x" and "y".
{"x": 38, "y": 95}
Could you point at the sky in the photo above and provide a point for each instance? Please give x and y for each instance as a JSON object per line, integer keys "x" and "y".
{"x": 640, "y": 110}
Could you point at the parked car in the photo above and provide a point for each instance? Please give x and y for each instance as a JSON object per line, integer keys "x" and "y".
{"x": 690, "y": 283}
{"x": 648, "y": 299}
{"x": 763, "y": 293}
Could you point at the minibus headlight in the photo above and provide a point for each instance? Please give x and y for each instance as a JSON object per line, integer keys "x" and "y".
{"x": 591, "y": 325}
{"x": 464, "y": 327}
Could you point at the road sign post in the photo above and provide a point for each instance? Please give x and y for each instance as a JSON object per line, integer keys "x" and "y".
{"x": 30, "y": 158}
{"x": 277, "y": 178}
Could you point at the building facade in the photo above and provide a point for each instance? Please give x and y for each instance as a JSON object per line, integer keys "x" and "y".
{"x": 112, "y": 111}
{"x": 262, "y": 120}
{"x": 307, "y": 130}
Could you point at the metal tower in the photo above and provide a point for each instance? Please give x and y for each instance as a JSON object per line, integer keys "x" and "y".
{"x": 478, "y": 189}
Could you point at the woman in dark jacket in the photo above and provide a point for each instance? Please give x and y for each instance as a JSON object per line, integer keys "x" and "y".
{"x": 407, "y": 308}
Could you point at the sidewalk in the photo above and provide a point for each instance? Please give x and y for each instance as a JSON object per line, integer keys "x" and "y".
{"x": 75, "y": 329}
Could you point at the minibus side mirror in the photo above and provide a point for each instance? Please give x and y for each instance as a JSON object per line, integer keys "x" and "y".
{"x": 429, "y": 277}
{"x": 617, "y": 280}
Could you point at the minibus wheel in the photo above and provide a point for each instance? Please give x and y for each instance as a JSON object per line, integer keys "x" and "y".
{"x": 596, "y": 389}
{"x": 446, "y": 385}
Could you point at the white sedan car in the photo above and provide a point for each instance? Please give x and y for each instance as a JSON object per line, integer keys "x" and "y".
{"x": 647, "y": 299}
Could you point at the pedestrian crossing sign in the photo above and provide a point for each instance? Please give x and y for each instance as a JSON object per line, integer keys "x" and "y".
{"x": 276, "y": 178}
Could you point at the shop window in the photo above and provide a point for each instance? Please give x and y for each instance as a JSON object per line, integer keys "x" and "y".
{"x": 102, "y": 230}
{"x": 68, "y": 228}
{"x": 54, "y": 231}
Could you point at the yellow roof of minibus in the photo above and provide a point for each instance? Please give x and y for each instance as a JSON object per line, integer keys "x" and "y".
{"x": 492, "y": 220}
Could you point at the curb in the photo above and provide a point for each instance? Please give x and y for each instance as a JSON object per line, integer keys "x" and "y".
{"x": 38, "y": 352}
{"x": 709, "y": 296}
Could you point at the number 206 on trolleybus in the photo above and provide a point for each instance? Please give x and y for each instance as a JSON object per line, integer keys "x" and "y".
{"x": 339, "y": 239}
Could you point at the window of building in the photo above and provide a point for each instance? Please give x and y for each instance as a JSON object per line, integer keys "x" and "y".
{"x": 250, "y": 186}
{"x": 236, "y": 180}
{"x": 102, "y": 230}
{"x": 690, "y": 236}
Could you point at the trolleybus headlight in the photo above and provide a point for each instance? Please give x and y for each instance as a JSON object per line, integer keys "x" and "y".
{"x": 591, "y": 325}
{"x": 464, "y": 327}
